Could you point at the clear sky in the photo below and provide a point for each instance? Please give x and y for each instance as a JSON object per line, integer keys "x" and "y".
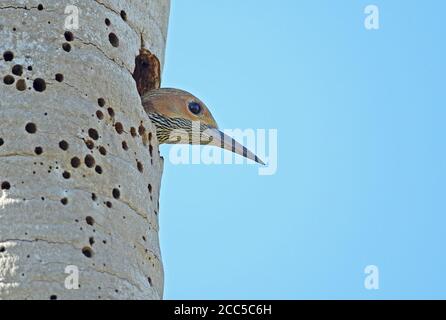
{"x": 361, "y": 174}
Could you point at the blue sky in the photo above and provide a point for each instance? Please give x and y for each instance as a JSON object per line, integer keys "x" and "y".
{"x": 361, "y": 172}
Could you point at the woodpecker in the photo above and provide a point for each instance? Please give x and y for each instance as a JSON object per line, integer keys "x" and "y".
{"x": 174, "y": 113}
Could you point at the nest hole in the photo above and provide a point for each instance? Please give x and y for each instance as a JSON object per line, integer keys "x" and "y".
{"x": 123, "y": 15}
{"x": 140, "y": 166}
{"x": 116, "y": 193}
{"x": 38, "y": 150}
{"x": 89, "y": 220}
{"x": 8, "y": 80}
{"x": 21, "y": 85}
{"x": 89, "y": 161}
{"x": 101, "y": 102}
{"x": 6, "y": 185}
{"x": 59, "y": 77}
{"x": 114, "y": 40}
{"x": 75, "y": 162}
{"x": 8, "y": 55}
{"x": 119, "y": 127}
{"x": 17, "y": 70}
{"x": 99, "y": 114}
{"x": 31, "y": 128}
{"x": 89, "y": 144}
{"x": 98, "y": 169}
{"x": 39, "y": 85}
{"x": 66, "y": 47}
{"x": 88, "y": 252}
{"x": 63, "y": 145}
{"x": 69, "y": 36}
{"x": 102, "y": 151}
{"x": 93, "y": 133}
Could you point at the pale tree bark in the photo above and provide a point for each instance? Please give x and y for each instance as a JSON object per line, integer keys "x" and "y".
{"x": 79, "y": 164}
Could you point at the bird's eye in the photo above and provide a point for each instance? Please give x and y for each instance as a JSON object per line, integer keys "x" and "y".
{"x": 194, "y": 107}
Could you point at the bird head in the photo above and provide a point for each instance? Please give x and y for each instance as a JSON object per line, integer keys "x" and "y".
{"x": 174, "y": 113}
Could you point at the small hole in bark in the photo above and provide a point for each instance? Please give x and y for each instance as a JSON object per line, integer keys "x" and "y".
{"x": 89, "y": 144}
{"x": 93, "y": 134}
{"x": 150, "y": 280}
{"x": 63, "y": 145}
{"x": 30, "y": 68}
{"x": 94, "y": 197}
{"x": 89, "y": 220}
{"x": 119, "y": 128}
{"x": 133, "y": 132}
{"x": 69, "y": 36}
{"x": 114, "y": 40}
{"x": 59, "y": 77}
{"x": 87, "y": 251}
{"x": 141, "y": 130}
{"x": 108, "y": 204}
{"x": 151, "y": 150}
{"x": 99, "y": 114}
{"x": 1, "y": 142}
{"x": 150, "y": 188}
{"x": 111, "y": 112}
{"x": 31, "y": 128}
{"x": 8, "y": 80}
{"x": 140, "y": 166}
{"x": 107, "y": 22}
{"x": 53, "y": 297}
{"x": 66, "y": 46}
{"x": 39, "y": 85}
{"x": 91, "y": 241}
{"x": 38, "y": 150}
{"x": 98, "y": 169}
{"x": 124, "y": 15}
{"x": 66, "y": 175}
{"x": 40, "y": 7}
{"x": 116, "y": 193}
{"x": 101, "y": 102}
{"x": 6, "y": 185}
{"x": 125, "y": 146}
{"x": 8, "y": 56}
{"x": 64, "y": 201}
{"x": 21, "y": 85}
{"x": 89, "y": 161}
{"x": 102, "y": 151}
{"x": 17, "y": 70}
{"x": 75, "y": 162}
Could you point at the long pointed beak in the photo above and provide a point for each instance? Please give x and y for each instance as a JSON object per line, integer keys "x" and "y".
{"x": 222, "y": 140}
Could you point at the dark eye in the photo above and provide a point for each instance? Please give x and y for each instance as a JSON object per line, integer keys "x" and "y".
{"x": 194, "y": 107}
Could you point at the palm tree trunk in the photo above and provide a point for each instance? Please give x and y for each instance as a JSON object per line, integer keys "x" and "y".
{"x": 79, "y": 164}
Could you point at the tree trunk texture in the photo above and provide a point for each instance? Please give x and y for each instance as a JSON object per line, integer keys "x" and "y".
{"x": 79, "y": 164}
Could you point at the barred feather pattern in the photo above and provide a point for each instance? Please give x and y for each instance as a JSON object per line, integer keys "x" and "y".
{"x": 168, "y": 130}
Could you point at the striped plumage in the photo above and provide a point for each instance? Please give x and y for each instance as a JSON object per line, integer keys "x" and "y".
{"x": 165, "y": 127}
{"x": 180, "y": 117}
